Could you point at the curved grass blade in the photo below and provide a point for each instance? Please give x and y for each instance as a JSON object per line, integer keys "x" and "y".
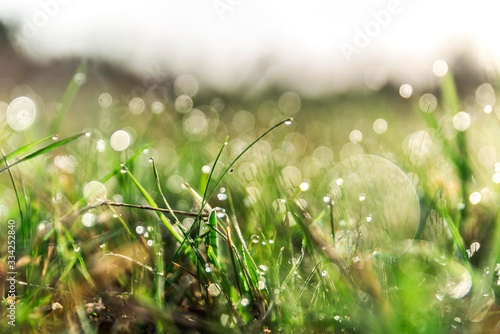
{"x": 153, "y": 204}
{"x": 205, "y": 198}
{"x": 25, "y": 148}
{"x": 43, "y": 150}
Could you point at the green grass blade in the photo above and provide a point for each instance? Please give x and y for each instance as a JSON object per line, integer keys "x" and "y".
{"x": 21, "y": 150}
{"x": 211, "y": 239}
{"x": 153, "y": 204}
{"x": 205, "y": 199}
{"x": 68, "y": 97}
{"x": 43, "y": 150}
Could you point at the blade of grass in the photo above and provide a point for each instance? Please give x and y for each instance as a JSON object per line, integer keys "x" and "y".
{"x": 153, "y": 204}
{"x": 229, "y": 168}
{"x": 43, "y": 150}
{"x": 68, "y": 97}
{"x": 26, "y": 148}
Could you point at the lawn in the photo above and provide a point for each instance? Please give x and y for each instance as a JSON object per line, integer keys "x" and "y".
{"x": 184, "y": 211}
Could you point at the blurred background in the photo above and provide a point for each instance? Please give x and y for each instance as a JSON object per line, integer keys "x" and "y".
{"x": 314, "y": 48}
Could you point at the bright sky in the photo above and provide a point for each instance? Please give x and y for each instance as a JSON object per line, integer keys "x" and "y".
{"x": 310, "y": 46}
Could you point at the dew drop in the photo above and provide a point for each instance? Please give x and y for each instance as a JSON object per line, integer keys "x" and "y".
{"x": 340, "y": 182}
{"x": 87, "y": 134}
{"x": 369, "y": 218}
{"x": 227, "y": 321}
{"x": 139, "y": 229}
{"x": 245, "y": 302}
{"x": 304, "y": 186}
{"x": 255, "y": 239}
{"x": 123, "y": 168}
{"x": 55, "y": 137}
{"x": 221, "y": 213}
{"x": 214, "y": 289}
{"x": 77, "y": 248}
{"x": 324, "y": 273}
{"x": 209, "y": 267}
{"x": 362, "y": 197}
{"x": 80, "y": 79}
{"x": 289, "y": 121}
{"x": 326, "y": 199}
{"x": 150, "y": 243}
{"x": 151, "y": 160}
{"x": 474, "y": 247}
{"x": 205, "y": 169}
{"x": 221, "y": 196}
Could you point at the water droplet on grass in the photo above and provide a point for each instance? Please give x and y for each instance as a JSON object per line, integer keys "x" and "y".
{"x": 455, "y": 281}
{"x": 255, "y": 239}
{"x": 209, "y": 267}
{"x": 289, "y": 121}
{"x": 227, "y": 321}
{"x": 87, "y": 134}
{"x": 245, "y": 302}
{"x": 214, "y": 289}
{"x": 55, "y": 137}
{"x": 139, "y": 229}
{"x": 304, "y": 186}
{"x": 324, "y": 273}
{"x": 123, "y": 168}
{"x": 221, "y": 197}
{"x": 205, "y": 169}
{"x": 80, "y": 79}
{"x": 362, "y": 197}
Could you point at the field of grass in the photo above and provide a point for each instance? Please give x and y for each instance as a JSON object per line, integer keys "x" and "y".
{"x": 364, "y": 212}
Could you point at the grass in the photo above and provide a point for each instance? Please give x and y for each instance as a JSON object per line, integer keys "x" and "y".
{"x": 278, "y": 227}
